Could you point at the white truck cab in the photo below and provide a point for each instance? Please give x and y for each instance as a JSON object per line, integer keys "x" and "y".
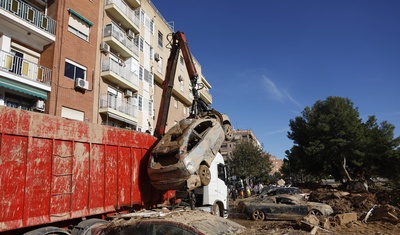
{"x": 214, "y": 196}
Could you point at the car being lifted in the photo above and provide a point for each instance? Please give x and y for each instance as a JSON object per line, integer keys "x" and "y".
{"x": 181, "y": 159}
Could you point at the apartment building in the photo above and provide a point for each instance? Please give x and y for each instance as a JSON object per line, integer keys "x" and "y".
{"x": 276, "y": 164}
{"x": 239, "y": 135}
{"x": 96, "y": 61}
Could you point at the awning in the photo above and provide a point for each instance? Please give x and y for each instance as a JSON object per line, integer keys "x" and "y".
{"x": 16, "y": 86}
{"x": 122, "y": 119}
{"x": 81, "y": 17}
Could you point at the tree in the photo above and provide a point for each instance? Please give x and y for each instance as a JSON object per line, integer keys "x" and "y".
{"x": 327, "y": 137}
{"x": 331, "y": 139}
{"x": 381, "y": 156}
{"x": 249, "y": 160}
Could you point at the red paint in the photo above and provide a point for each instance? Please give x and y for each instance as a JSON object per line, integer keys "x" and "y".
{"x": 52, "y": 169}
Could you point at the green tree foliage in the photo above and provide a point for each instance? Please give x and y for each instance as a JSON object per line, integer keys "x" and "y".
{"x": 249, "y": 161}
{"x": 381, "y": 150}
{"x": 330, "y": 139}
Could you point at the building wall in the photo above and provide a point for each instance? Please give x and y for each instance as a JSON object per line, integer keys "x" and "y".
{"x": 276, "y": 164}
{"x": 70, "y": 46}
{"x": 61, "y": 94}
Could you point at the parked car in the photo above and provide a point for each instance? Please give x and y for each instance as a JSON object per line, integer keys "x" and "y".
{"x": 281, "y": 207}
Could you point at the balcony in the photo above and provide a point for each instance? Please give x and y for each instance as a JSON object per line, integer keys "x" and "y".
{"x": 25, "y": 72}
{"x": 23, "y": 21}
{"x": 120, "y": 74}
{"x": 119, "y": 41}
{"x": 123, "y": 14}
{"x": 118, "y": 108}
{"x": 205, "y": 94}
{"x": 134, "y": 3}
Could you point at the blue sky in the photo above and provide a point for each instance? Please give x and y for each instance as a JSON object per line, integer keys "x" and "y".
{"x": 267, "y": 60}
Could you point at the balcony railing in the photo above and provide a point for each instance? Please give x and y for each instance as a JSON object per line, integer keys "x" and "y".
{"x": 112, "y": 102}
{"x": 29, "y": 14}
{"x": 133, "y": 15}
{"x": 122, "y": 70}
{"x": 120, "y": 35}
{"x": 24, "y": 68}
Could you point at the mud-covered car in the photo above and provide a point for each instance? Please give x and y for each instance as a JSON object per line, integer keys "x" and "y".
{"x": 271, "y": 191}
{"x": 281, "y": 207}
{"x": 180, "y": 222}
{"x": 181, "y": 159}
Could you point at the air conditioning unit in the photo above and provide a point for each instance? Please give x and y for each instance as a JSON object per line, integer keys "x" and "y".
{"x": 128, "y": 93}
{"x": 104, "y": 47}
{"x": 130, "y": 34}
{"x": 39, "y": 105}
{"x": 81, "y": 84}
{"x": 157, "y": 57}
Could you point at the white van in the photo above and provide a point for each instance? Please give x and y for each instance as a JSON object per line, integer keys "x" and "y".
{"x": 214, "y": 196}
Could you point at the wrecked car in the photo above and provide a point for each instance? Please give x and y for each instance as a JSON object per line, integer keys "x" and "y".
{"x": 182, "y": 157}
{"x": 281, "y": 207}
{"x": 271, "y": 191}
{"x": 178, "y": 222}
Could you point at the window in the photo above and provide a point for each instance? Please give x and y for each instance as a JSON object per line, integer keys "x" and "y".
{"x": 74, "y": 71}
{"x": 181, "y": 62}
{"x": 152, "y": 26}
{"x": 160, "y": 65}
{"x": 141, "y": 43}
{"x": 160, "y": 39}
{"x": 140, "y": 103}
{"x": 221, "y": 172}
{"x": 182, "y": 85}
{"x": 148, "y": 77}
{"x": 150, "y": 108}
{"x": 175, "y": 103}
{"x": 141, "y": 73}
{"x": 151, "y": 53}
{"x": 16, "y": 101}
{"x": 72, "y": 114}
{"x": 78, "y": 25}
{"x": 142, "y": 17}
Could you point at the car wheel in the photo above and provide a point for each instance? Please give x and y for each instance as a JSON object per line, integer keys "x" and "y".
{"x": 205, "y": 175}
{"x": 228, "y": 129}
{"x": 315, "y": 212}
{"x": 258, "y": 215}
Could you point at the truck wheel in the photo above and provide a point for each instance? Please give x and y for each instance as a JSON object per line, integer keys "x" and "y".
{"x": 257, "y": 215}
{"x": 217, "y": 210}
{"x": 84, "y": 227}
{"x": 47, "y": 231}
{"x": 228, "y": 129}
{"x": 192, "y": 200}
{"x": 205, "y": 175}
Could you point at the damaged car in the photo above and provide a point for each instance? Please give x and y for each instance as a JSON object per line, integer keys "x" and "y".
{"x": 182, "y": 157}
{"x": 281, "y": 207}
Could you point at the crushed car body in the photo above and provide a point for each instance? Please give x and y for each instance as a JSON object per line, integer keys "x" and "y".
{"x": 182, "y": 157}
{"x": 281, "y": 207}
{"x": 175, "y": 222}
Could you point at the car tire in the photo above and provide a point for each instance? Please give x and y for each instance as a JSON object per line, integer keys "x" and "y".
{"x": 257, "y": 215}
{"x": 205, "y": 175}
{"x": 228, "y": 129}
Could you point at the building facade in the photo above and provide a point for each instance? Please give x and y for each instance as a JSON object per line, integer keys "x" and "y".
{"x": 95, "y": 61}
{"x": 239, "y": 135}
{"x": 276, "y": 164}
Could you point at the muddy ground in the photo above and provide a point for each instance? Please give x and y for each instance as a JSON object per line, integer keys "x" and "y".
{"x": 385, "y": 218}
